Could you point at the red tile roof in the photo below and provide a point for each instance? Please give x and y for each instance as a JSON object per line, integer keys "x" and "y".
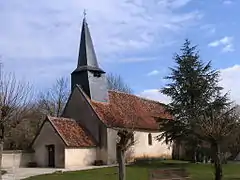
{"x": 71, "y": 132}
{"x": 130, "y": 111}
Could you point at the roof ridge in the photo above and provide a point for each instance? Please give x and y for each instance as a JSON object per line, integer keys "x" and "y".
{"x": 100, "y": 102}
{"x": 63, "y": 118}
{"x": 143, "y": 98}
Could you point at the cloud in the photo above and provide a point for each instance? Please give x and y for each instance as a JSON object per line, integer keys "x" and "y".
{"x": 153, "y": 73}
{"x": 226, "y": 43}
{"x": 154, "y": 94}
{"x": 229, "y": 78}
{"x": 49, "y": 31}
{"x": 227, "y": 2}
{"x": 51, "y": 28}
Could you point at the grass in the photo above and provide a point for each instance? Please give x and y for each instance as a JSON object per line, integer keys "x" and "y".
{"x": 140, "y": 172}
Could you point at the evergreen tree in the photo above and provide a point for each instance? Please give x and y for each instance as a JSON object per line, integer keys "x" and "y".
{"x": 201, "y": 113}
{"x": 193, "y": 85}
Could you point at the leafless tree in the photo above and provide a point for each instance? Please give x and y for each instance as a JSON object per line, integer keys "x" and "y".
{"x": 116, "y": 82}
{"x": 15, "y": 100}
{"x": 54, "y": 100}
{"x": 216, "y": 127}
{"x": 125, "y": 141}
{"x": 125, "y": 136}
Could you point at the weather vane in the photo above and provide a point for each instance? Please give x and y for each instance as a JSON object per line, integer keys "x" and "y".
{"x": 84, "y": 13}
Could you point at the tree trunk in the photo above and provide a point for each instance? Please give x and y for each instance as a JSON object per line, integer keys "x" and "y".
{"x": 1, "y": 151}
{"x": 121, "y": 164}
{"x": 217, "y": 161}
{"x": 1, "y": 146}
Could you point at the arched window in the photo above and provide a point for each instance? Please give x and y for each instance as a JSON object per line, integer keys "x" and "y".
{"x": 149, "y": 139}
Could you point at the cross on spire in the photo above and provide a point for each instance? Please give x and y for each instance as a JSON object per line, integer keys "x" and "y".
{"x": 84, "y": 13}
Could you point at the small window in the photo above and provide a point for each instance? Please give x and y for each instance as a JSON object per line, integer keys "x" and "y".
{"x": 149, "y": 139}
{"x": 97, "y": 74}
{"x": 132, "y": 139}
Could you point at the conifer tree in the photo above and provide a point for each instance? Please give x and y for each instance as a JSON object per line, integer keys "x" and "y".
{"x": 192, "y": 86}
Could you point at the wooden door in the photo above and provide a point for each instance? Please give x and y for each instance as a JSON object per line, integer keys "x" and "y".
{"x": 51, "y": 155}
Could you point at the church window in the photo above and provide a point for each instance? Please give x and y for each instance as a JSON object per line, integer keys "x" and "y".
{"x": 132, "y": 139}
{"x": 149, "y": 139}
{"x": 97, "y": 74}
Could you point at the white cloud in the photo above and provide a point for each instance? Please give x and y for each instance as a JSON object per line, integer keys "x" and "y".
{"x": 230, "y": 78}
{"x": 227, "y": 2}
{"x": 51, "y": 28}
{"x": 153, "y": 73}
{"x": 33, "y": 32}
{"x": 154, "y": 94}
{"x": 226, "y": 43}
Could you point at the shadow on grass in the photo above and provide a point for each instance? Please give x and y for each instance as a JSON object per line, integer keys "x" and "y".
{"x": 161, "y": 164}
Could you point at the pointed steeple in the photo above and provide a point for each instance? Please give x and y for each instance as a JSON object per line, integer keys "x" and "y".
{"x": 87, "y": 59}
{"x": 88, "y": 75}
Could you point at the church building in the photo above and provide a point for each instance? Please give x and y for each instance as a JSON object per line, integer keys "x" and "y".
{"x": 87, "y": 130}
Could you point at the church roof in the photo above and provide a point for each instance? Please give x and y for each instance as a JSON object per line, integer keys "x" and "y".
{"x": 129, "y": 111}
{"x": 71, "y": 132}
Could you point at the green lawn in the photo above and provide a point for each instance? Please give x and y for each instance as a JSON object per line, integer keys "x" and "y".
{"x": 140, "y": 172}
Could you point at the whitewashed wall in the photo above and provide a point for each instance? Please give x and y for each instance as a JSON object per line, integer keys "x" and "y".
{"x": 11, "y": 159}
{"x": 111, "y": 145}
{"x": 157, "y": 149}
{"x": 141, "y": 147}
{"x": 48, "y": 136}
{"x": 79, "y": 157}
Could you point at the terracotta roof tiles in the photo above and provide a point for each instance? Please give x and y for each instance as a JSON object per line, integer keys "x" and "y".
{"x": 130, "y": 111}
{"x": 71, "y": 132}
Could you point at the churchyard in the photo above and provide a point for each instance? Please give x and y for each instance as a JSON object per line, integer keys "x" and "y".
{"x": 145, "y": 171}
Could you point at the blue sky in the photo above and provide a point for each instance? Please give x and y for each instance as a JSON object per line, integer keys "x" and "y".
{"x": 133, "y": 38}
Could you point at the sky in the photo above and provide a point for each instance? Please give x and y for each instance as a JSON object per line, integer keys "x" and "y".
{"x": 136, "y": 39}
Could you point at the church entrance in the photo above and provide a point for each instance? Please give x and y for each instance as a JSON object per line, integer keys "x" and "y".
{"x": 51, "y": 155}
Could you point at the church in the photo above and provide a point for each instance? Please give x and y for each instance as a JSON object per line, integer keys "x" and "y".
{"x": 87, "y": 130}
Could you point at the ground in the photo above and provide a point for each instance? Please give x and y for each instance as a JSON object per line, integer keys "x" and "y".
{"x": 140, "y": 171}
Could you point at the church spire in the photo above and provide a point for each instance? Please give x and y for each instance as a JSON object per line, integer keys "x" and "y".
{"x": 88, "y": 75}
{"x": 87, "y": 59}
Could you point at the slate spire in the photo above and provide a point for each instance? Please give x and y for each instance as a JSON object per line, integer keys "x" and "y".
{"x": 87, "y": 59}
{"x": 88, "y": 75}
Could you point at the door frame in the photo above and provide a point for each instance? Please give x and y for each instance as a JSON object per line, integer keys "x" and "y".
{"x": 50, "y": 155}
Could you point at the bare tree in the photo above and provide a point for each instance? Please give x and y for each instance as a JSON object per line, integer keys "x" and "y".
{"x": 125, "y": 141}
{"x": 15, "y": 100}
{"x": 216, "y": 127}
{"x": 54, "y": 100}
{"x": 115, "y": 82}
{"x": 125, "y": 136}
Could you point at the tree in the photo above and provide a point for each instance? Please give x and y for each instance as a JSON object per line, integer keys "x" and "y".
{"x": 15, "y": 101}
{"x": 125, "y": 136}
{"x": 54, "y": 100}
{"x": 124, "y": 142}
{"x": 115, "y": 82}
{"x": 192, "y": 86}
{"x": 21, "y": 135}
{"x": 196, "y": 99}
{"x": 216, "y": 126}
